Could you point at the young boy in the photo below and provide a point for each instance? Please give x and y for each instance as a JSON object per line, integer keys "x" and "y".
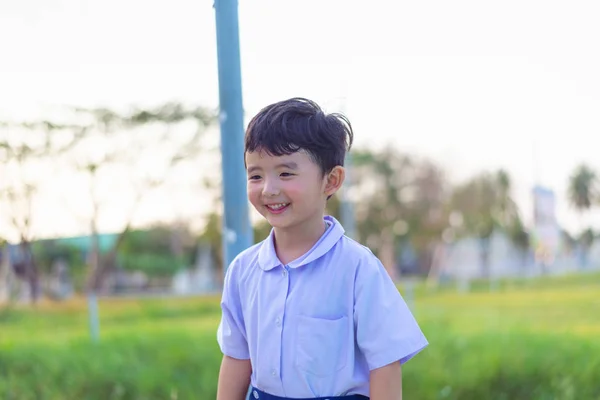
{"x": 308, "y": 313}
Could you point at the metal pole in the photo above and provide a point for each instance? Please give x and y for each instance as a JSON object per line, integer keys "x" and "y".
{"x": 93, "y": 317}
{"x": 237, "y": 230}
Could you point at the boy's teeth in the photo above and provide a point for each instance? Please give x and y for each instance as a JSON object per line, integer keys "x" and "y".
{"x": 277, "y": 206}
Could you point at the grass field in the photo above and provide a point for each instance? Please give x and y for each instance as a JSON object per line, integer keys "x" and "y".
{"x": 526, "y": 340}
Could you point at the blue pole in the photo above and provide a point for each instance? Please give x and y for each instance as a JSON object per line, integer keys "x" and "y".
{"x": 93, "y": 317}
{"x": 237, "y": 230}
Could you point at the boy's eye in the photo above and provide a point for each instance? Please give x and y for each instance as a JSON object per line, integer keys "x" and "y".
{"x": 254, "y": 177}
{"x": 286, "y": 174}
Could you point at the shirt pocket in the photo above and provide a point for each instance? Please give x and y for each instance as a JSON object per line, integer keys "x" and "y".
{"x": 322, "y": 345}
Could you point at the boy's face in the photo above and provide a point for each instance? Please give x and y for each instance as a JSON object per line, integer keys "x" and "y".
{"x": 289, "y": 190}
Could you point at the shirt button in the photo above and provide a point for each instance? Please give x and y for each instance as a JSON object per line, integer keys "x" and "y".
{"x": 273, "y": 372}
{"x": 284, "y": 272}
{"x": 255, "y": 394}
{"x": 278, "y": 321}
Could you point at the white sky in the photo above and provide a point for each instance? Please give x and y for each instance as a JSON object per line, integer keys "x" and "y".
{"x": 472, "y": 84}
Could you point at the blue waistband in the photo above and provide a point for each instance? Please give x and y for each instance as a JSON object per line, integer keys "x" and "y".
{"x": 256, "y": 394}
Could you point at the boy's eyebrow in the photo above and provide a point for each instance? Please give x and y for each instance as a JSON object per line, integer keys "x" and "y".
{"x": 288, "y": 165}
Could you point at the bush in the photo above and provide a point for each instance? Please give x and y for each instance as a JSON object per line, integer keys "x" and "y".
{"x": 535, "y": 342}
{"x": 159, "y": 367}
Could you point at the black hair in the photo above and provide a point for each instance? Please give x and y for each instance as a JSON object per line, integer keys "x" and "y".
{"x": 298, "y": 124}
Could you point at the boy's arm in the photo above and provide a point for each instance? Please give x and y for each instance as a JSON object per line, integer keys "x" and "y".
{"x": 236, "y": 367}
{"x": 386, "y": 382}
{"x": 386, "y": 332}
{"x": 234, "y": 379}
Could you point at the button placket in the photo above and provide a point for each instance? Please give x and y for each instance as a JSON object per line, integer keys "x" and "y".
{"x": 278, "y": 305}
{"x": 275, "y": 372}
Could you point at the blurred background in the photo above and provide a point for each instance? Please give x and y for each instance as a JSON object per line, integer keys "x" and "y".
{"x": 474, "y": 178}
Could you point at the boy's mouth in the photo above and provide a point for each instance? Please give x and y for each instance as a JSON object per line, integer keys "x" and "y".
{"x": 277, "y": 208}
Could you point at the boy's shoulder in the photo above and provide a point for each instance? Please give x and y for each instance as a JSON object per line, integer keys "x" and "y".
{"x": 247, "y": 261}
{"x": 361, "y": 255}
{"x": 247, "y": 256}
{"x": 353, "y": 248}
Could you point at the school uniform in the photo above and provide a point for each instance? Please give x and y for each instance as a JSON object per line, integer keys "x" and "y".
{"x": 316, "y": 327}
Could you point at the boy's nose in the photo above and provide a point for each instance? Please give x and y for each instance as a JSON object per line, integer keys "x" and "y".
{"x": 270, "y": 190}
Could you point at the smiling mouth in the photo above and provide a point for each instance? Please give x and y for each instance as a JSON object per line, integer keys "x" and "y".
{"x": 277, "y": 208}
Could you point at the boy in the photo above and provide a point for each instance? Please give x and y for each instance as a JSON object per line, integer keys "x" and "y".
{"x": 308, "y": 313}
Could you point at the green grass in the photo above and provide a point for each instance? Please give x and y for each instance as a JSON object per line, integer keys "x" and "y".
{"x": 526, "y": 340}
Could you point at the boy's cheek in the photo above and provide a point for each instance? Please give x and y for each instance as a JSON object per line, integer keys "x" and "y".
{"x": 295, "y": 188}
{"x": 252, "y": 196}
{"x": 299, "y": 192}
{"x": 254, "y": 200}
{"x": 253, "y": 190}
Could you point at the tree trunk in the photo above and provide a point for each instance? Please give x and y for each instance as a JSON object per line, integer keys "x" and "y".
{"x": 484, "y": 261}
{"x": 6, "y": 275}
{"x": 104, "y": 265}
{"x": 31, "y": 271}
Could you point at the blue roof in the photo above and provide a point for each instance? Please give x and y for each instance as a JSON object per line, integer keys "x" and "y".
{"x": 84, "y": 242}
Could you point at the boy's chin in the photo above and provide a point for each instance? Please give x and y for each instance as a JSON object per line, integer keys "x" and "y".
{"x": 278, "y": 221}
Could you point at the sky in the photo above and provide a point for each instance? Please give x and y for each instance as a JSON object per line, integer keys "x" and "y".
{"x": 473, "y": 85}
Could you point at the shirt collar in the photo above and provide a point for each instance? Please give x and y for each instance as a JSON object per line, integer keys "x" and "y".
{"x": 267, "y": 257}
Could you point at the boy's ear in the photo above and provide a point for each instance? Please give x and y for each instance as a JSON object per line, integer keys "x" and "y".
{"x": 335, "y": 179}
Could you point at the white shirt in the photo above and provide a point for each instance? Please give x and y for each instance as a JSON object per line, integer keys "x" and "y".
{"x": 317, "y": 326}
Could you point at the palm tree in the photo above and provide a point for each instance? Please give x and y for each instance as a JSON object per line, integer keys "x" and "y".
{"x": 583, "y": 188}
{"x": 583, "y": 195}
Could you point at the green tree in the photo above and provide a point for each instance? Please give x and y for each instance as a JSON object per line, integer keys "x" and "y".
{"x": 24, "y": 149}
{"x": 401, "y": 199}
{"x": 159, "y": 251}
{"x": 485, "y": 203}
{"x": 583, "y": 193}
{"x": 118, "y": 143}
{"x": 583, "y": 188}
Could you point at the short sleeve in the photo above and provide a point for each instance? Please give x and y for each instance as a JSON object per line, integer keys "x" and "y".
{"x": 231, "y": 333}
{"x": 386, "y": 330}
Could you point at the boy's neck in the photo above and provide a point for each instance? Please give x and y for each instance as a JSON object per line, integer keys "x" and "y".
{"x": 293, "y": 243}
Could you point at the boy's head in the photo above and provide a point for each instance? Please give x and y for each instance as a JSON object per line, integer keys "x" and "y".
{"x": 297, "y": 124}
{"x": 294, "y": 156}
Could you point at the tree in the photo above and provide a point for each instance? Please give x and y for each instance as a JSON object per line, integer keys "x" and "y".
{"x": 140, "y": 149}
{"x": 402, "y": 202}
{"x": 383, "y": 181}
{"x": 583, "y": 193}
{"x": 428, "y": 214}
{"x": 159, "y": 251}
{"x": 5, "y": 273}
{"x": 583, "y": 188}
{"x": 24, "y": 149}
{"x": 485, "y": 204}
